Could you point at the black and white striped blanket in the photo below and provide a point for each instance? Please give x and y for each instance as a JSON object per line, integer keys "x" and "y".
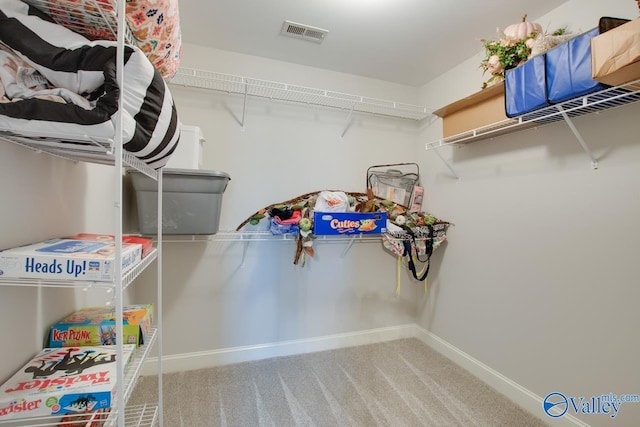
{"x": 46, "y": 68}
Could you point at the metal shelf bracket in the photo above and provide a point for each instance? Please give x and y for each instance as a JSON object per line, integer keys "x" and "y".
{"x": 245, "y": 247}
{"x": 244, "y": 105}
{"x": 348, "y": 124}
{"x": 453, "y": 172}
{"x": 576, "y": 133}
{"x": 346, "y": 249}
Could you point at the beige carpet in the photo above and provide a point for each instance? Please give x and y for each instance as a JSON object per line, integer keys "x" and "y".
{"x": 396, "y": 383}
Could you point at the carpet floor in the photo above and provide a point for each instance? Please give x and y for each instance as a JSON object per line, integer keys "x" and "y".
{"x": 395, "y": 383}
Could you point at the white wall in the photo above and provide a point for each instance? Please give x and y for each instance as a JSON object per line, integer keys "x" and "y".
{"x": 540, "y": 277}
{"x": 213, "y": 300}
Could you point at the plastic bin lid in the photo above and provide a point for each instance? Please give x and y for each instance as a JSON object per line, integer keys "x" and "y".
{"x": 193, "y": 172}
{"x": 199, "y": 172}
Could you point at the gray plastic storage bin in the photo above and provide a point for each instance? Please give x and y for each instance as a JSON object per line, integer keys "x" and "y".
{"x": 191, "y": 203}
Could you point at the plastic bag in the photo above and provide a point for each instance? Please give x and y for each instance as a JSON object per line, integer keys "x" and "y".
{"x": 332, "y": 201}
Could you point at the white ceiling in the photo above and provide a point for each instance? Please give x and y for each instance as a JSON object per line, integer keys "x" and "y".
{"x": 402, "y": 41}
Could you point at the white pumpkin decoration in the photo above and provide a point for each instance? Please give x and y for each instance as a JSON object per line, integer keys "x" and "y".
{"x": 522, "y": 30}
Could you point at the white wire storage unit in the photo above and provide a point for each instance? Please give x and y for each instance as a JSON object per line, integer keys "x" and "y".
{"x": 108, "y": 152}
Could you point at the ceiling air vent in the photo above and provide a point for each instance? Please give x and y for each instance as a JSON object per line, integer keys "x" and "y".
{"x": 304, "y": 32}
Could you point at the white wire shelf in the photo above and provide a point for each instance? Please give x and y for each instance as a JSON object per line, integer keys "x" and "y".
{"x": 139, "y": 415}
{"x": 266, "y": 236}
{"x": 127, "y": 278}
{"x": 79, "y": 149}
{"x": 293, "y": 93}
{"x": 134, "y": 416}
{"x": 263, "y": 236}
{"x": 253, "y": 236}
{"x": 598, "y": 101}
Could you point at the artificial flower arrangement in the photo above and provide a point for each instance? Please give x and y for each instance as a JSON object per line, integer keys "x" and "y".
{"x": 514, "y": 47}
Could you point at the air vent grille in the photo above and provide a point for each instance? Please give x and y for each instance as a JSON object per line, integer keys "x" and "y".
{"x": 295, "y": 29}
{"x": 304, "y": 32}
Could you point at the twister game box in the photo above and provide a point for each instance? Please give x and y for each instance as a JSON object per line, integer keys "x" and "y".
{"x": 337, "y": 223}
{"x": 92, "y": 326}
{"x": 59, "y": 381}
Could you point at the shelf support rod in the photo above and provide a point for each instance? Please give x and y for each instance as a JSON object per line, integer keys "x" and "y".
{"x": 244, "y": 104}
{"x": 353, "y": 238}
{"x": 346, "y": 127}
{"x": 567, "y": 119}
{"x": 159, "y": 311}
{"x": 437, "y": 151}
{"x": 244, "y": 252}
{"x": 118, "y": 220}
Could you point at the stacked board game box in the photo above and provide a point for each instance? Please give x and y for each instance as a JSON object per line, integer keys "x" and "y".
{"x": 60, "y": 381}
{"x": 147, "y": 244}
{"x": 97, "y": 326}
{"x": 68, "y": 259}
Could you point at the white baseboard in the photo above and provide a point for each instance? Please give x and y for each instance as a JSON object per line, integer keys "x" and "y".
{"x": 208, "y": 359}
{"x": 521, "y": 396}
{"x": 514, "y": 391}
